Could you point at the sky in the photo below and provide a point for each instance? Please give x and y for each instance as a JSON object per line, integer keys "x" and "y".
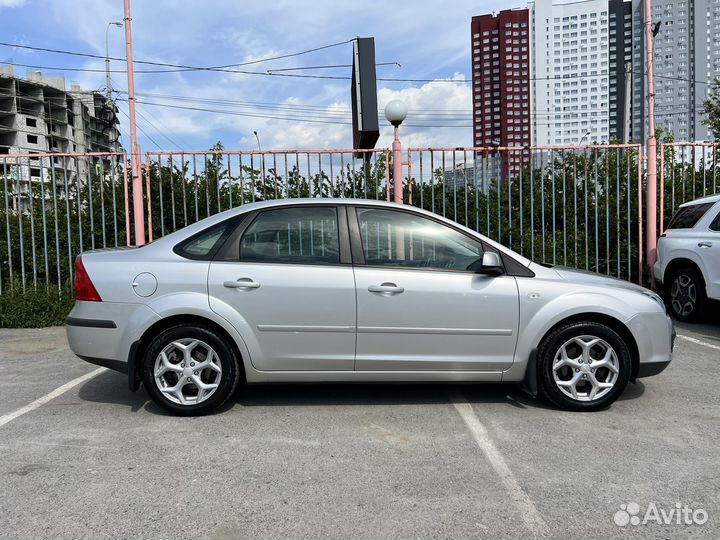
{"x": 429, "y": 39}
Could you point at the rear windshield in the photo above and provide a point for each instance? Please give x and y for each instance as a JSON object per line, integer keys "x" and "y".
{"x": 688, "y": 216}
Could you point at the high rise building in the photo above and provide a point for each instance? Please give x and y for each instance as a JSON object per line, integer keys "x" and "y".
{"x": 687, "y": 59}
{"x": 501, "y": 80}
{"x": 620, "y": 72}
{"x": 571, "y": 62}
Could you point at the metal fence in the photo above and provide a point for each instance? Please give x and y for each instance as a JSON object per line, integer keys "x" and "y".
{"x": 187, "y": 186}
{"x": 575, "y": 206}
{"x": 56, "y": 206}
{"x": 688, "y": 171}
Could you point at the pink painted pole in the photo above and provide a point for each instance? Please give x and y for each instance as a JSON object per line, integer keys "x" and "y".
{"x": 651, "y": 195}
{"x": 397, "y": 167}
{"x": 127, "y": 200}
{"x": 662, "y": 189}
{"x": 387, "y": 175}
{"x": 138, "y": 211}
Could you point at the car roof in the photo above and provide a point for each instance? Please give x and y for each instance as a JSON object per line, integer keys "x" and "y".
{"x": 709, "y": 199}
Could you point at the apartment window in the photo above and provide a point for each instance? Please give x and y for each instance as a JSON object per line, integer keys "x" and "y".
{"x": 31, "y": 122}
{"x": 32, "y": 139}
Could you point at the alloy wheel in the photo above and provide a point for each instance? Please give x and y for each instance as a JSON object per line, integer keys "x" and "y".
{"x": 683, "y": 295}
{"x": 585, "y": 368}
{"x": 187, "y": 371}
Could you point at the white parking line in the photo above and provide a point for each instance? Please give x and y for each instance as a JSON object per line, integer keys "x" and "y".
{"x": 699, "y": 342}
{"x": 6, "y": 418}
{"x": 521, "y": 499}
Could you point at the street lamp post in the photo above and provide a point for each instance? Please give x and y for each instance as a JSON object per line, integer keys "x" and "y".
{"x": 108, "y": 82}
{"x": 258, "y": 140}
{"x": 395, "y": 112}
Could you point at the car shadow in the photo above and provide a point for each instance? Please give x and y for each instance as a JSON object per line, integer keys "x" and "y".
{"x": 111, "y": 388}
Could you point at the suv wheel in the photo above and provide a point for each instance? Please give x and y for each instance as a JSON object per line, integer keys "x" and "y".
{"x": 687, "y": 294}
{"x": 583, "y": 366}
{"x": 190, "y": 370}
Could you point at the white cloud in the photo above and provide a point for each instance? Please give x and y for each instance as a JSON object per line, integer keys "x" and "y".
{"x": 432, "y": 42}
{"x": 12, "y": 3}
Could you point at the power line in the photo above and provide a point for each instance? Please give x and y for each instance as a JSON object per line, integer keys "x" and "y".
{"x": 227, "y": 68}
{"x": 186, "y": 68}
{"x": 267, "y": 104}
{"x": 142, "y": 130}
{"x": 274, "y": 117}
{"x": 156, "y": 128}
{"x": 330, "y": 67}
{"x": 162, "y": 133}
{"x": 165, "y": 64}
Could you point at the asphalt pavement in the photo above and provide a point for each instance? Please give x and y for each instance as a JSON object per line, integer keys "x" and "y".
{"x": 92, "y": 460}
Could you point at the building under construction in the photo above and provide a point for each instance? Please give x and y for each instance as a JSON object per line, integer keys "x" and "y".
{"x": 39, "y": 116}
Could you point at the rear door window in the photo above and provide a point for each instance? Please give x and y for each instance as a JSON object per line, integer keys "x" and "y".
{"x": 688, "y": 216}
{"x": 202, "y": 246}
{"x": 293, "y": 236}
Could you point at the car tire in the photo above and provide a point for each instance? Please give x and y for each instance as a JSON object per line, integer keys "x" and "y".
{"x": 585, "y": 377}
{"x": 686, "y": 294}
{"x": 190, "y": 370}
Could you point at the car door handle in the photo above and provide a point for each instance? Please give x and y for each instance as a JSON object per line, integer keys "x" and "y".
{"x": 704, "y": 244}
{"x": 242, "y": 283}
{"x": 390, "y": 288}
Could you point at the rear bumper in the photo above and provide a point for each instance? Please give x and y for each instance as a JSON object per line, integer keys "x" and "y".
{"x": 102, "y": 333}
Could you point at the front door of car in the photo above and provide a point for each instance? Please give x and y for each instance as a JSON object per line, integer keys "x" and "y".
{"x": 420, "y": 305}
{"x": 286, "y": 283}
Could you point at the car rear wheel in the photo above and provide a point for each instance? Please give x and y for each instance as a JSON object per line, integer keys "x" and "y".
{"x": 190, "y": 370}
{"x": 583, "y": 366}
{"x": 687, "y": 294}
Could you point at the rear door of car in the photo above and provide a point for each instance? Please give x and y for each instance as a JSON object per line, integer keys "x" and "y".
{"x": 285, "y": 281}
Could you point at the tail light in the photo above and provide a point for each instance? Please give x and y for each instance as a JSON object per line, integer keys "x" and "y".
{"x": 84, "y": 288}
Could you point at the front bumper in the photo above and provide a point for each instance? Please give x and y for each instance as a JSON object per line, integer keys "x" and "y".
{"x": 650, "y": 369}
{"x": 654, "y": 335}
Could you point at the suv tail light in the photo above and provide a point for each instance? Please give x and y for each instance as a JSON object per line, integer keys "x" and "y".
{"x": 84, "y": 288}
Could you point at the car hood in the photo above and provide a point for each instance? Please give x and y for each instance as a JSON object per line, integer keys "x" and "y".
{"x": 593, "y": 278}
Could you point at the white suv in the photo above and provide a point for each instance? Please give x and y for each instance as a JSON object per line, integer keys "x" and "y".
{"x": 688, "y": 258}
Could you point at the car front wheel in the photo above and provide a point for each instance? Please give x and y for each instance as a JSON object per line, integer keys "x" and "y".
{"x": 583, "y": 366}
{"x": 190, "y": 370}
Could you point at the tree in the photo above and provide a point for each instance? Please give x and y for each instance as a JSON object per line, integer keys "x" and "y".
{"x": 712, "y": 109}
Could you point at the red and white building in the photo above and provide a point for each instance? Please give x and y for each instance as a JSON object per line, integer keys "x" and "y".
{"x": 501, "y": 81}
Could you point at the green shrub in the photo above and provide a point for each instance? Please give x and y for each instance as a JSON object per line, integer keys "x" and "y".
{"x": 43, "y": 305}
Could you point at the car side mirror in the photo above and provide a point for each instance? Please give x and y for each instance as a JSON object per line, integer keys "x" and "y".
{"x": 490, "y": 264}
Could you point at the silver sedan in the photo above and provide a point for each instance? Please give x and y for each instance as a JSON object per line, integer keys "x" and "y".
{"x": 336, "y": 290}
